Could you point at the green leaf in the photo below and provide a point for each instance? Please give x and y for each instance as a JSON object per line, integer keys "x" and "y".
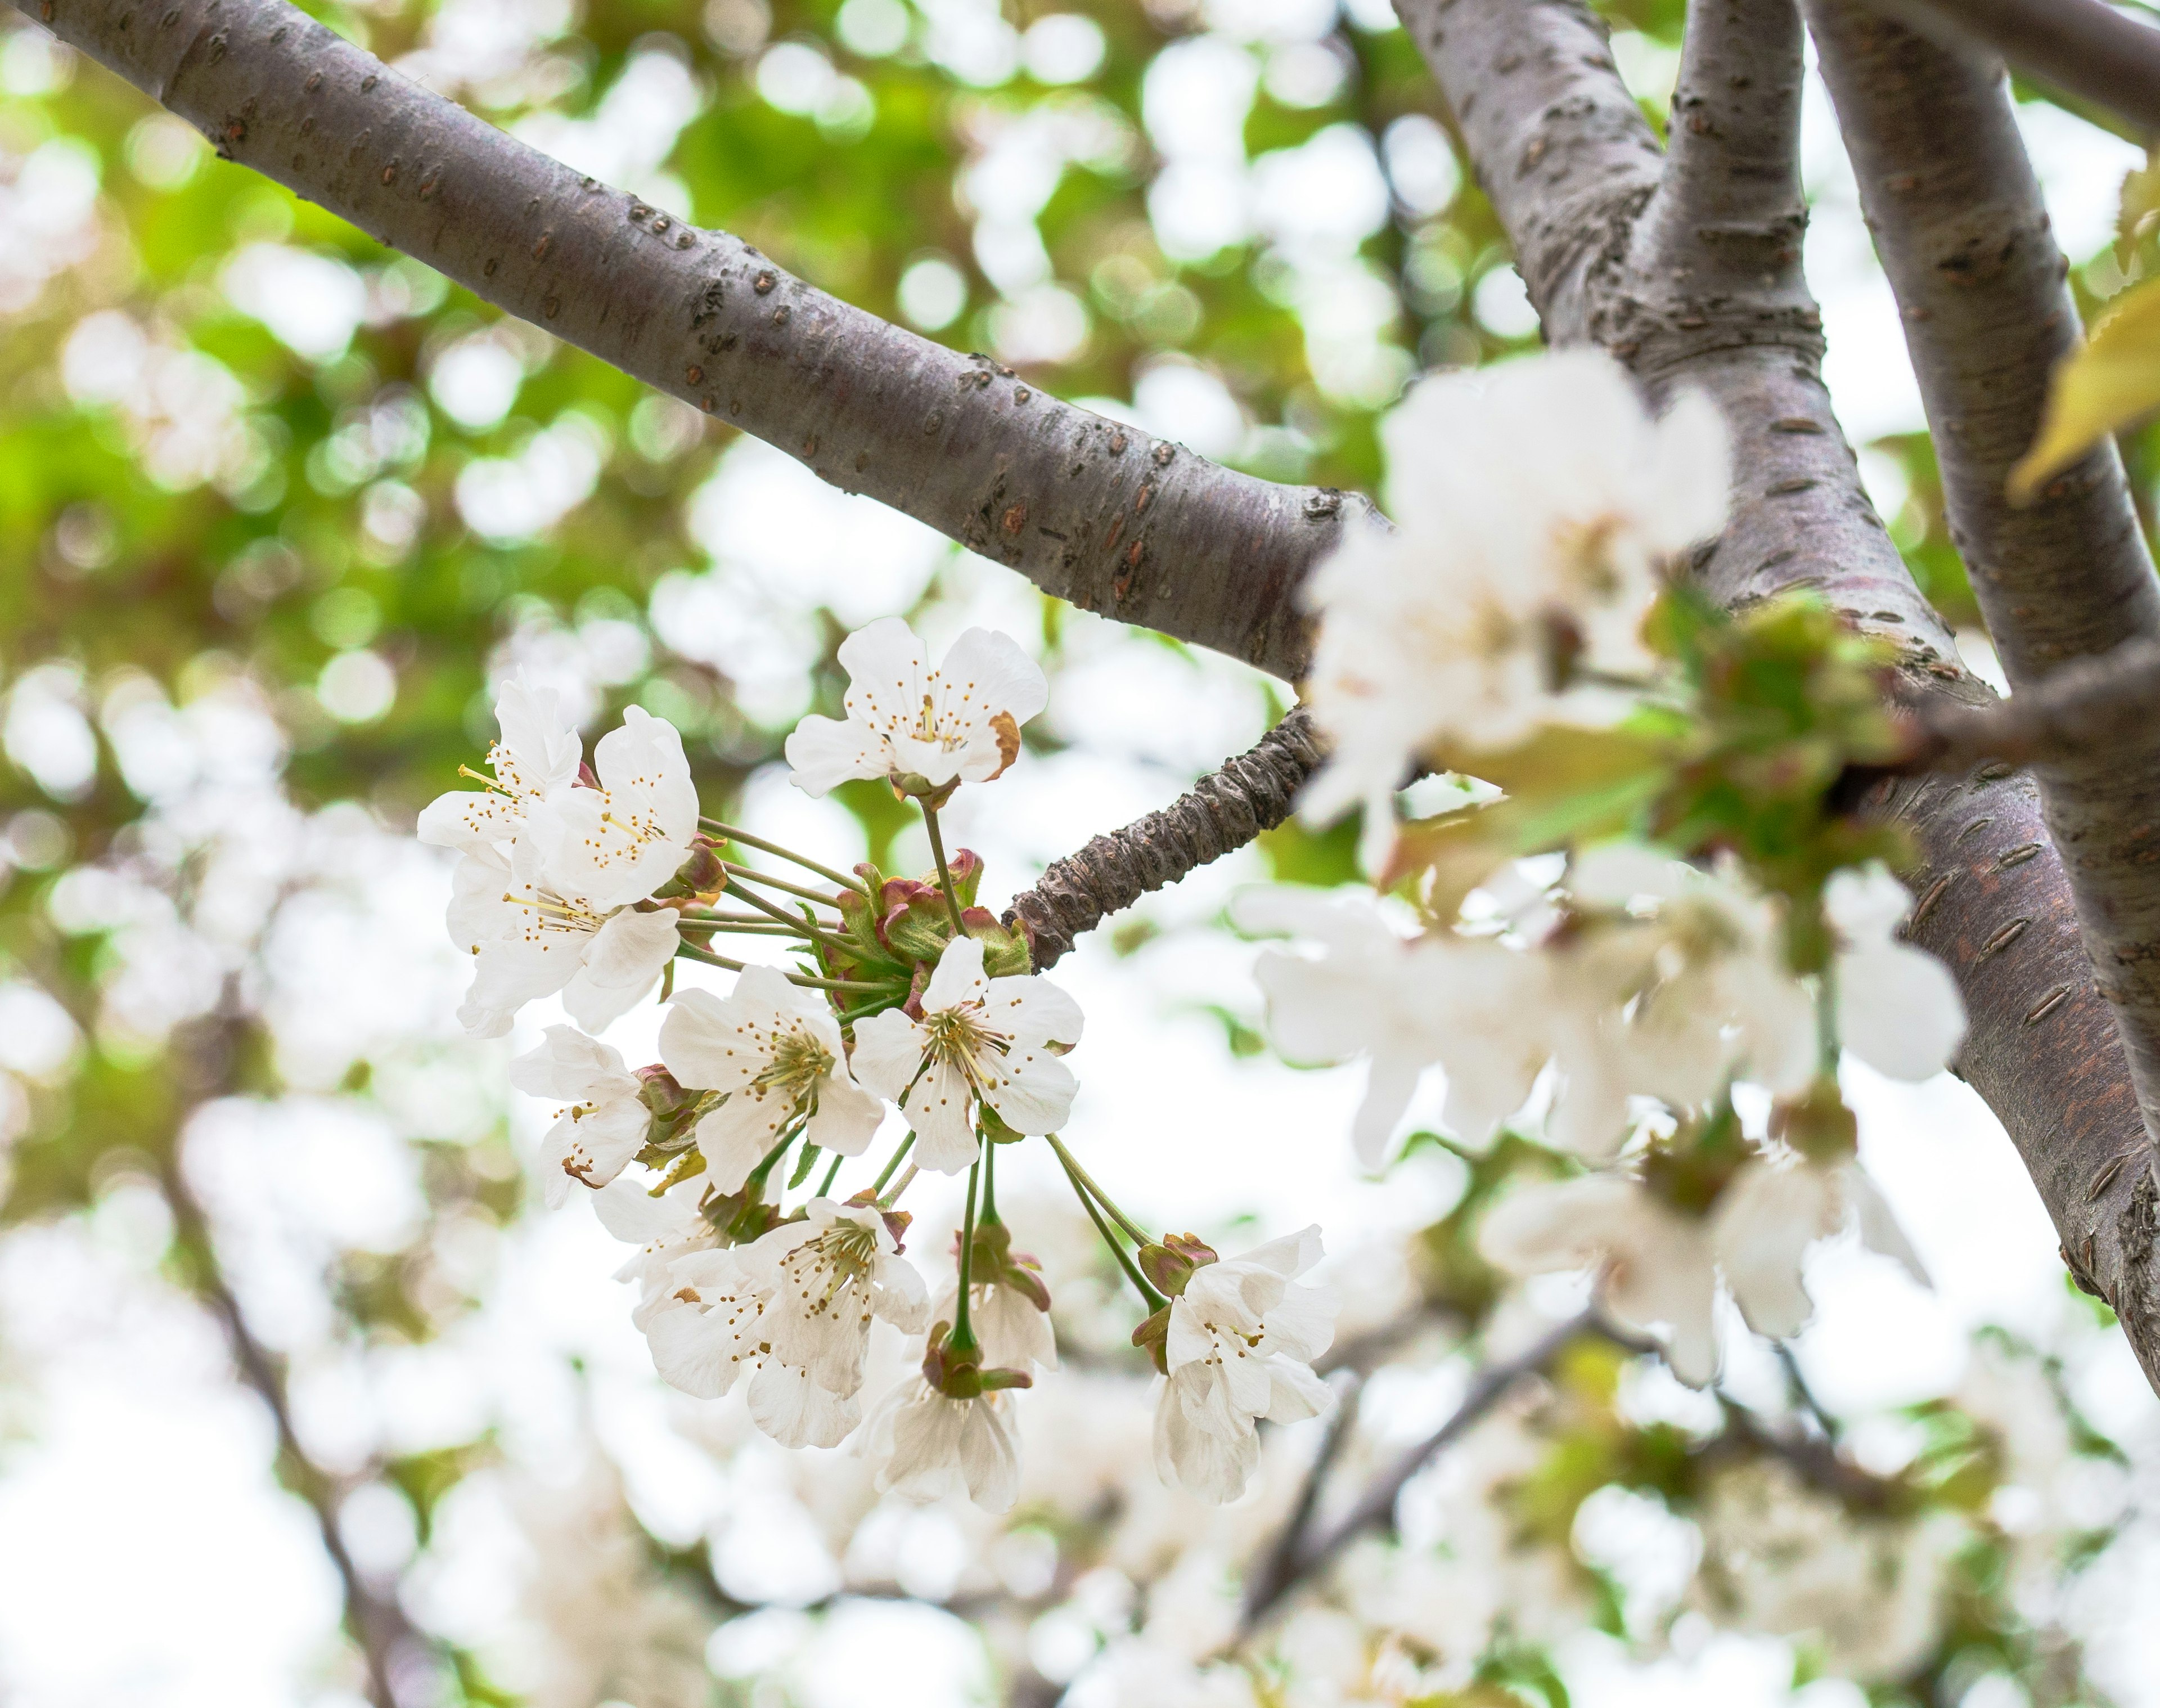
{"x": 2107, "y": 385}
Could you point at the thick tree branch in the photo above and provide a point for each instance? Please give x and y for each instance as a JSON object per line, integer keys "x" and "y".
{"x": 1965, "y": 239}
{"x": 2094, "y": 705}
{"x": 1994, "y": 900}
{"x": 2088, "y": 49}
{"x": 1091, "y": 510}
{"x": 1729, "y": 205}
{"x": 1223, "y": 811}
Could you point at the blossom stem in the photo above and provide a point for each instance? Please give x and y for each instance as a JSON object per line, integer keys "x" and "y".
{"x": 751, "y": 874}
{"x": 989, "y": 1180}
{"x": 1154, "y": 1301}
{"x": 773, "y": 912}
{"x": 745, "y": 927}
{"x": 756, "y": 1176}
{"x": 1140, "y": 1235}
{"x": 906, "y": 1144}
{"x": 1826, "y": 1019}
{"x": 692, "y": 953}
{"x": 944, "y": 872}
{"x": 831, "y": 1174}
{"x": 962, "y": 1341}
{"x": 900, "y": 1186}
{"x": 735, "y": 834}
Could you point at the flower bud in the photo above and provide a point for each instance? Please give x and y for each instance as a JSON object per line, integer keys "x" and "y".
{"x": 1170, "y": 1264}
{"x": 701, "y": 874}
{"x": 1817, "y": 1124}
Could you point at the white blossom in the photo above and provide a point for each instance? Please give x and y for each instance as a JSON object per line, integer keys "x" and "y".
{"x": 929, "y": 1444}
{"x": 998, "y": 1040}
{"x": 1769, "y": 1215}
{"x": 958, "y": 723}
{"x": 794, "y": 1306}
{"x": 617, "y": 842}
{"x": 606, "y": 1121}
{"x": 1474, "y": 1006}
{"x": 664, "y": 1229}
{"x": 1692, "y": 990}
{"x": 531, "y": 933}
{"x": 1897, "y": 1007}
{"x": 775, "y": 1052}
{"x": 1013, "y": 1333}
{"x": 1535, "y": 503}
{"x": 1656, "y": 1266}
{"x": 1240, "y": 1345}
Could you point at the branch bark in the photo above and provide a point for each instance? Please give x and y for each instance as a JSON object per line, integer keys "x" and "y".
{"x": 1223, "y": 811}
{"x": 2084, "y": 48}
{"x": 1091, "y": 510}
{"x": 376, "y": 1623}
{"x": 2093, "y": 705}
{"x": 1965, "y": 239}
{"x": 1994, "y": 899}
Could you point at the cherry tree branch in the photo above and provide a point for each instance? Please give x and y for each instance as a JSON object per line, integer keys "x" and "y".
{"x": 375, "y": 1620}
{"x": 1222, "y": 812}
{"x": 2087, "y": 49}
{"x": 1091, "y": 510}
{"x": 1295, "y": 1560}
{"x": 2092, "y": 705}
{"x": 1964, "y": 238}
{"x": 1994, "y": 900}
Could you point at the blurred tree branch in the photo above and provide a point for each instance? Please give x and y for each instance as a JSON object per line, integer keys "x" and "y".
{"x": 2088, "y": 49}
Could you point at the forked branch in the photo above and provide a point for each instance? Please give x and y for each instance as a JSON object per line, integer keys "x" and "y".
{"x": 2094, "y": 706}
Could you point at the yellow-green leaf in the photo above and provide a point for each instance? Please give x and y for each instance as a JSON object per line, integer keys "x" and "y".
{"x": 2115, "y": 379}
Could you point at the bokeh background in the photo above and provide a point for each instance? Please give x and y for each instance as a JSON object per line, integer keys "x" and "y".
{"x": 276, "y": 509}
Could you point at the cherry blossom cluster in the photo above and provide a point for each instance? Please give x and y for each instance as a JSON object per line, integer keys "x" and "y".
{"x": 1700, "y": 921}
{"x": 907, "y": 1002}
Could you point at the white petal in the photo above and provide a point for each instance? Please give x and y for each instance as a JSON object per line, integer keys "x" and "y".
{"x": 1765, "y": 1220}
{"x": 1879, "y": 1228}
{"x": 957, "y": 978}
{"x": 822, "y": 753}
{"x": 623, "y": 961}
{"x": 704, "y": 1043}
{"x": 1034, "y": 1006}
{"x": 469, "y": 820}
{"x": 570, "y": 1066}
{"x": 989, "y": 1457}
{"x": 737, "y": 1136}
{"x": 888, "y": 1053}
{"x": 1388, "y": 1088}
{"x": 1031, "y": 1090}
{"x": 796, "y": 1412}
{"x": 1689, "y": 489}
{"x": 1898, "y": 1010}
{"x": 940, "y": 1108}
{"x": 847, "y": 1117}
{"x": 695, "y": 1350}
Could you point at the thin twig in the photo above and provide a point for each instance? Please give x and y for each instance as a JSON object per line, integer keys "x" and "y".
{"x": 1281, "y": 1568}
{"x": 751, "y": 874}
{"x": 1377, "y": 1505}
{"x": 2084, "y": 707}
{"x": 377, "y": 1622}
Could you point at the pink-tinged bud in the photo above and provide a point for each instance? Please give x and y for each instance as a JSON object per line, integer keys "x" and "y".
{"x": 1170, "y": 1263}
{"x": 587, "y": 777}
{"x": 658, "y": 1089}
{"x": 966, "y": 867}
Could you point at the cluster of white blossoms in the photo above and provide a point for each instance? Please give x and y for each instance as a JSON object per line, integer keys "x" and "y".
{"x": 1638, "y": 995}
{"x": 592, "y": 882}
{"x": 1536, "y": 509}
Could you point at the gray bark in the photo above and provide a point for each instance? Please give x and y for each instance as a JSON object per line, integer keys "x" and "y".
{"x": 2088, "y": 48}
{"x": 1964, "y": 238}
{"x": 1092, "y": 511}
{"x": 1547, "y": 122}
{"x": 2093, "y": 705}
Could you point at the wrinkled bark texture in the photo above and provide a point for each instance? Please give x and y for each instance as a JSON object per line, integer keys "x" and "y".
{"x": 1548, "y": 124}
{"x": 1224, "y": 811}
{"x": 1091, "y": 511}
